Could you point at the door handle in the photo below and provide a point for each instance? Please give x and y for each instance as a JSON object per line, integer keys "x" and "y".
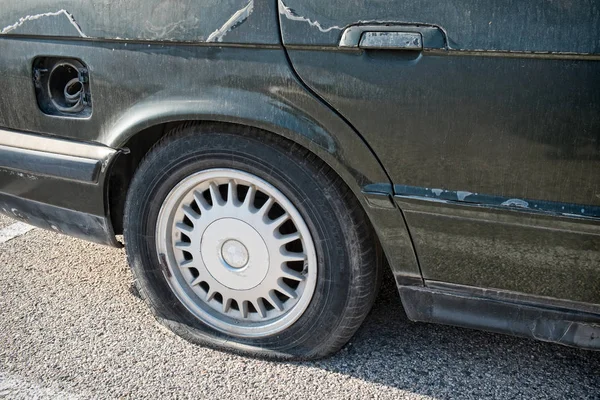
{"x": 391, "y": 40}
{"x": 392, "y": 37}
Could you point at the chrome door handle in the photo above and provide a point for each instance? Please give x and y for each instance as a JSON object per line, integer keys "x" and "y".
{"x": 392, "y": 37}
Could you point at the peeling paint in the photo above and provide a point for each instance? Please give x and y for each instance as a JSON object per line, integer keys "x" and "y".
{"x": 461, "y": 195}
{"x": 516, "y": 203}
{"x": 19, "y": 174}
{"x": 291, "y": 15}
{"x": 425, "y": 199}
{"x": 26, "y": 18}
{"x": 487, "y": 200}
{"x": 105, "y": 163}
{"x": 236, "y": 19}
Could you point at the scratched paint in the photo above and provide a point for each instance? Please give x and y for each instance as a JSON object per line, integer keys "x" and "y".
{"x": 27, "y": 18}
{"x": 463, "y": 120}
{"x": 487, "y": 200}
{"x": 509, "y": 25}
{"x": 291, "y": 15}
{"x": 235, "y": 20}
{"x": 153, "y": 20}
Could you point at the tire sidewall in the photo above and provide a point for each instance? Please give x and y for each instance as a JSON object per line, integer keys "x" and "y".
{"x": 296, "y": 178}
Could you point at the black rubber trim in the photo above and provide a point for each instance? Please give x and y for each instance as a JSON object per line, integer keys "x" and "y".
{"x": 566, "y": 327}
{"x": 50, "y": 164}
{"x": 94, "y": 228}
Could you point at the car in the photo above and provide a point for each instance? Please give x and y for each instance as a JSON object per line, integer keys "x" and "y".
{"x": 267, "y": 161}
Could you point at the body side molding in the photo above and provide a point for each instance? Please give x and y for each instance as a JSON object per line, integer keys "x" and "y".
{"x": 570, "y": 328}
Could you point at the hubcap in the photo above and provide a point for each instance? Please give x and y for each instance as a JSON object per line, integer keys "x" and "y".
{"x": 234, "y": 253}
{"x": 239, "y": 254}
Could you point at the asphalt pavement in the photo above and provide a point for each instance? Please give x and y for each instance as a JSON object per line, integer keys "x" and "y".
{"x": 72, "y": 327}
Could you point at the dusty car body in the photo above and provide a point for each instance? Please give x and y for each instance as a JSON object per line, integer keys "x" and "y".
{"x": 468, "y": 131}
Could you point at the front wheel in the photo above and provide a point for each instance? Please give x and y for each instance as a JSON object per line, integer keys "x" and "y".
{"x": 244, "y": 241}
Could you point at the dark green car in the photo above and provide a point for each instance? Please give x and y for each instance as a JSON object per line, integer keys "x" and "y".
{"x": 265, "y": 161}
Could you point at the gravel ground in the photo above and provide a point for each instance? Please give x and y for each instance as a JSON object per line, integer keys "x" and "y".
{"x": 71, "y": 327}
{"x": 5, "y": 221}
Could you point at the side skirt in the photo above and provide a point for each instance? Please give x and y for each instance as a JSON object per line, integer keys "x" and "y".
{"x": 78, "y": 224}
{"x": 566, "y": 327}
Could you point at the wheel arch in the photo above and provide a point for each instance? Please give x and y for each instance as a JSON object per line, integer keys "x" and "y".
{"x": 314, "y": 126}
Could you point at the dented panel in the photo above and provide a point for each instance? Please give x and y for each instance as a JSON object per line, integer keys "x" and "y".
{"x": 179, "y": 21}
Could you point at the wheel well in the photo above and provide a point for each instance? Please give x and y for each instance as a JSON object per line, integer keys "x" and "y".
{"x": 126, "y": 164}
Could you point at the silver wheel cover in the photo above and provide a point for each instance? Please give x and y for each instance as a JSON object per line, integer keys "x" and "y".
{"x": 240, "y": 256}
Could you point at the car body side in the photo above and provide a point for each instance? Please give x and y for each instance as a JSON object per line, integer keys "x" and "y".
{"x": 142, "y": 84}
{"x": 157, "y": 64}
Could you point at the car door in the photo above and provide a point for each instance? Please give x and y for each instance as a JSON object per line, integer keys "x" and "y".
{"x": 486, "y": 116}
